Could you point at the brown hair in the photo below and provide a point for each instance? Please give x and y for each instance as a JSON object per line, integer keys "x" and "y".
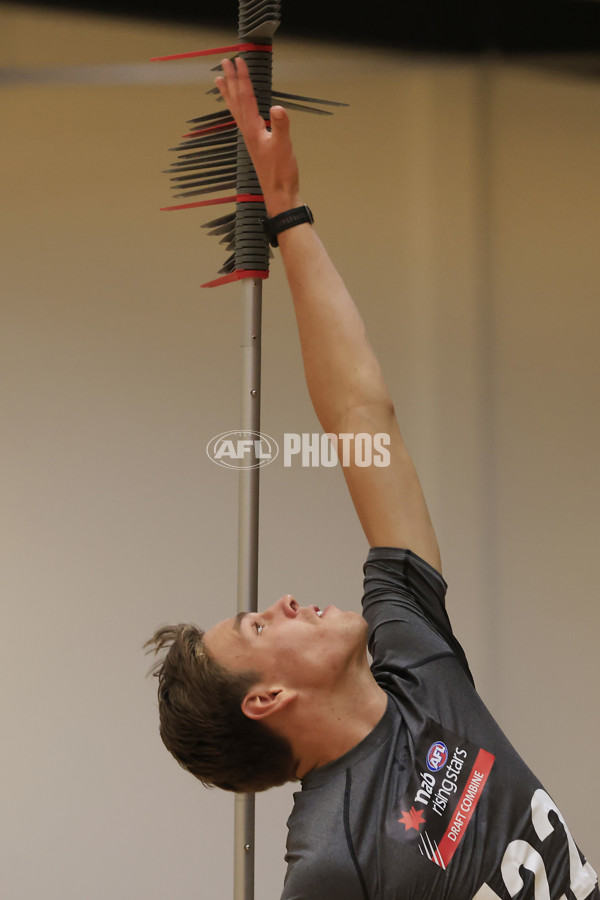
{"x": 201, "y": 719}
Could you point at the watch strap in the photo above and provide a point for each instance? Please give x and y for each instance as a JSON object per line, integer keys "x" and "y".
{"x": 285, "y": 220}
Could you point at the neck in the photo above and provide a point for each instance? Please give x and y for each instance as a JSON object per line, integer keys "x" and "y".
{"x": 327, "y": 727}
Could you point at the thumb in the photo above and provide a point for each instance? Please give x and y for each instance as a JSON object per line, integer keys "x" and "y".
{"x": 280, "y": 123}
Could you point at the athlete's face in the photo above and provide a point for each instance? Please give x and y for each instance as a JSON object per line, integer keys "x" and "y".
{"x": 290, "y": 645}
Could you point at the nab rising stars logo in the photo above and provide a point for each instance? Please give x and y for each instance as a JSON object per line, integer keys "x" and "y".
{"x": 437, "y": 756}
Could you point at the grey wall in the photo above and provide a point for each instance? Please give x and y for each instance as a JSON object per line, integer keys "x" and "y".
{"x": 461, "y": 203}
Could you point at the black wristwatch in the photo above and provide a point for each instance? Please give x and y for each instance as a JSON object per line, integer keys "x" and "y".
{"x": 286, "y": 220}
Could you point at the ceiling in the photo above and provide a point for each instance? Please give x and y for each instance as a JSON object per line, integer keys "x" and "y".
{"x": 439, "y": 26}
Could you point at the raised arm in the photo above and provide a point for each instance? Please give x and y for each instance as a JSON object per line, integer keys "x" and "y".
{"x": 343, "y": 375}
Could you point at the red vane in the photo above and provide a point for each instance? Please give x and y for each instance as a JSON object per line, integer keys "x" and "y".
{"x": 239, "y": 198}
{"x": 226, "y": 124}
{"x": 237, "y": 276}
{"x": 199, "y": 203}
{"x": 234, "y": 47}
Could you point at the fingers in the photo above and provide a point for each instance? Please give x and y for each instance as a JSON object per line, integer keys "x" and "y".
{"x": 245, "y": 91}
{"x": 226, "y": 81}
{"x": 271, "y": 151}
{"x": 236, "y": 89}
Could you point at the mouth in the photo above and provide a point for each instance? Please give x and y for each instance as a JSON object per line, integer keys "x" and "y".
{"x": 321, "y": 613}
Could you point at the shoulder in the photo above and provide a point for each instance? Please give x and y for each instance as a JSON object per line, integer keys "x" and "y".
{"x": 404, "y": 605}
{"x": 396, "y": 570}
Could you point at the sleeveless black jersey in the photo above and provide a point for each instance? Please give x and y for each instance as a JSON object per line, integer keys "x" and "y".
{"x": 434, "y": 803}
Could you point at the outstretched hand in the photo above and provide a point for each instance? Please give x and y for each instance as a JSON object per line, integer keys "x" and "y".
{"x": 271, "y": 151}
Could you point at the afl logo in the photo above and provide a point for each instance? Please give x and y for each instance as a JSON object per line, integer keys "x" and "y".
{"x": 437, "y": 756}
{"x": 242, "y": 449}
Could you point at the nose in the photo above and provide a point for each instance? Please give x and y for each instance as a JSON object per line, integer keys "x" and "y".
{"x": 286, "y": 605}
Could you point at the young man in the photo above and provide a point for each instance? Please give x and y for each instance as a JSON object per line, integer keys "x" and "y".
{"x": 409, "y": 787}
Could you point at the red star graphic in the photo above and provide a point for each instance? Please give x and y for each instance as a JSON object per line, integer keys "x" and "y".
{"x": 413, "y": 819}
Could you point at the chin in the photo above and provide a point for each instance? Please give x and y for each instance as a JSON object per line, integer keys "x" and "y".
{"x": 359, "y": 628}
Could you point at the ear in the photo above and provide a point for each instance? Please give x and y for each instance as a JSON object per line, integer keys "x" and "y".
{"x": 260, "y": 703}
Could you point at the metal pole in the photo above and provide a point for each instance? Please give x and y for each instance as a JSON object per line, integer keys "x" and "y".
{"x": 247, "y": 588}
{"x": 258, "y": 21}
